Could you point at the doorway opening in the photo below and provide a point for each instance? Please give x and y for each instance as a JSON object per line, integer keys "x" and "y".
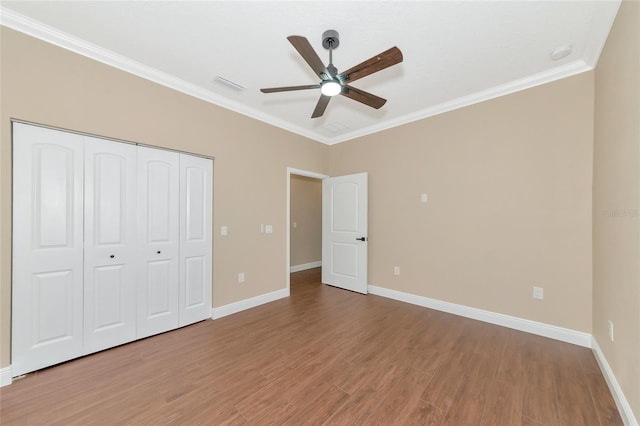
{"x": 304, "y": 221}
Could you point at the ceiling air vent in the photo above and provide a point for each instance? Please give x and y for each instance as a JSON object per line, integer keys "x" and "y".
{"x": 335, "y": 127}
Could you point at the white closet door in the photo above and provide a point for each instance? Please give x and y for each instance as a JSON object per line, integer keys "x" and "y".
{"x": 158, "y": 244}
{"x": 195, "y": 238}
{"x": 47, "y": 247}
{"x": 110, "y": 244}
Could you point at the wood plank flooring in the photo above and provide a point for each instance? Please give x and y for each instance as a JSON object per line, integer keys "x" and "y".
{"x": 323, "y": 356}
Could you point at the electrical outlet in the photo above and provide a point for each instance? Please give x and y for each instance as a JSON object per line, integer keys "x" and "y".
{"x": 538, "y": 293}
{"x": 611, "y": 330}
{"x": 268, "y": 229}
{"x": 396, "y": 270}
{"x": 424, "y": 198}
{"x": 241, "y": 277}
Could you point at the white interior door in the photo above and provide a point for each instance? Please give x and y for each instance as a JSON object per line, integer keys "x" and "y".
{"x": 195, "y": 238}
{"x": 344, "y": 232}
{"x": 158, "y": 243}
{"x": 110, "y": 244}
{"x": 47, "y": 247}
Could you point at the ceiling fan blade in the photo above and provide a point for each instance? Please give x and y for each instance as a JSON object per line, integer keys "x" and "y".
{"x": 305, "y": 50}
{"x": 321, "y": 106}
{"x": 289, "y": 88}
{"x": 379, "y": 62}
{"x": 363, "y": 97}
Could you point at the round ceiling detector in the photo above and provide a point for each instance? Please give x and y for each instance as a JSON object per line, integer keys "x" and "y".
{"x": 561, "y": 52}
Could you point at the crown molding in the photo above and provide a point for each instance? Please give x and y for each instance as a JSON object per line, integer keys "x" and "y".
{"x": 61, "y": 39}
{"x": 563, "y": 71}
{"x": 23, "y": 24}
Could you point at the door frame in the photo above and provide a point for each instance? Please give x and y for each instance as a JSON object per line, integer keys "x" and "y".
{"x": 297, "y": 172}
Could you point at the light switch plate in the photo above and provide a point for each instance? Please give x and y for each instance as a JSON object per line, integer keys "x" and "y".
{"x": 268, "y": 229}
{"x": 224, "y": 230}
{"x": 423, "y": 198}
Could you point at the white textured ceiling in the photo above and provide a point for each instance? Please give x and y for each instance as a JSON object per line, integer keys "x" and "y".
{"x": 455, "y": 53}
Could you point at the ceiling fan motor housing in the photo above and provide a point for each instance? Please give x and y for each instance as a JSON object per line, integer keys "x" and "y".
{"x": 330, "y": 39}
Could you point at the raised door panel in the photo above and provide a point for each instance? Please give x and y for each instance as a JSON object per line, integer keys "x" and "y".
{"x": 158, "y": 241}
{"x": 159, "y": 289}
{"x": 52, "y": 307}
{"x": 195, "y": 238}
{"x": 110, "y": 244}
{"x": 47, "y": 247}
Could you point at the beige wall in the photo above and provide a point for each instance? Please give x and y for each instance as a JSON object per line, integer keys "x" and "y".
{"x": 45, "y": 84}
{"x": 509, "y": 190}
{"x": 616, "y": 201}
{"x": 306, "y": 212}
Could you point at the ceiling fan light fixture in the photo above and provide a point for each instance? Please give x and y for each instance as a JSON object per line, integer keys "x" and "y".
{"x": 330, "y": 88}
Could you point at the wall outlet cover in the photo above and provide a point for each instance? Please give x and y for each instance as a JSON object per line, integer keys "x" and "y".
{"x": 538, "y": 293}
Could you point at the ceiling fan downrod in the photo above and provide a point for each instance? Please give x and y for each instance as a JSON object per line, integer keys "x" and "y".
{"x": 330, "y": 41}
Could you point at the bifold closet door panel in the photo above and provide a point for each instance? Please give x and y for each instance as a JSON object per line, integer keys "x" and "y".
{"x": 195, "y": 238}
{"x": 158, "y": 241}
{"x": 110, "y": 257}
{"x": 47, "y": 247}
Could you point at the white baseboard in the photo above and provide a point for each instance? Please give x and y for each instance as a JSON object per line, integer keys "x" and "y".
{"x": 5, "y": 376}
{"x": 618, "y": 395}
{"x": 232, "y": 308}
{"x": 305, "y": 266}
{"x": 564, "y": 334}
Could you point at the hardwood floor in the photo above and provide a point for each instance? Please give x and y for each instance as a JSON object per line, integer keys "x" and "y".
{"x": 323, "y": 356}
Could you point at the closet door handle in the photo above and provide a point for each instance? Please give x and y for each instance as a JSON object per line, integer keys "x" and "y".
{"x": 158, "y": 251}
{"x": 112, "y": 256}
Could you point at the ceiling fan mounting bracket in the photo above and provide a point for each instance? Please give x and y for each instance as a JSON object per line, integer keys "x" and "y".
{"x": 330, "y": 39}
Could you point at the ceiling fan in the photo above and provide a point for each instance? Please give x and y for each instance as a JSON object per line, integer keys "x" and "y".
{"x": 332, "y": 83}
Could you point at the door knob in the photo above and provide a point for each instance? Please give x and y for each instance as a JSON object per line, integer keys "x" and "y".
{"x": 158, "y": 251}
{"x": 112, "y": 256}
{"x": 361, "y": 239}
